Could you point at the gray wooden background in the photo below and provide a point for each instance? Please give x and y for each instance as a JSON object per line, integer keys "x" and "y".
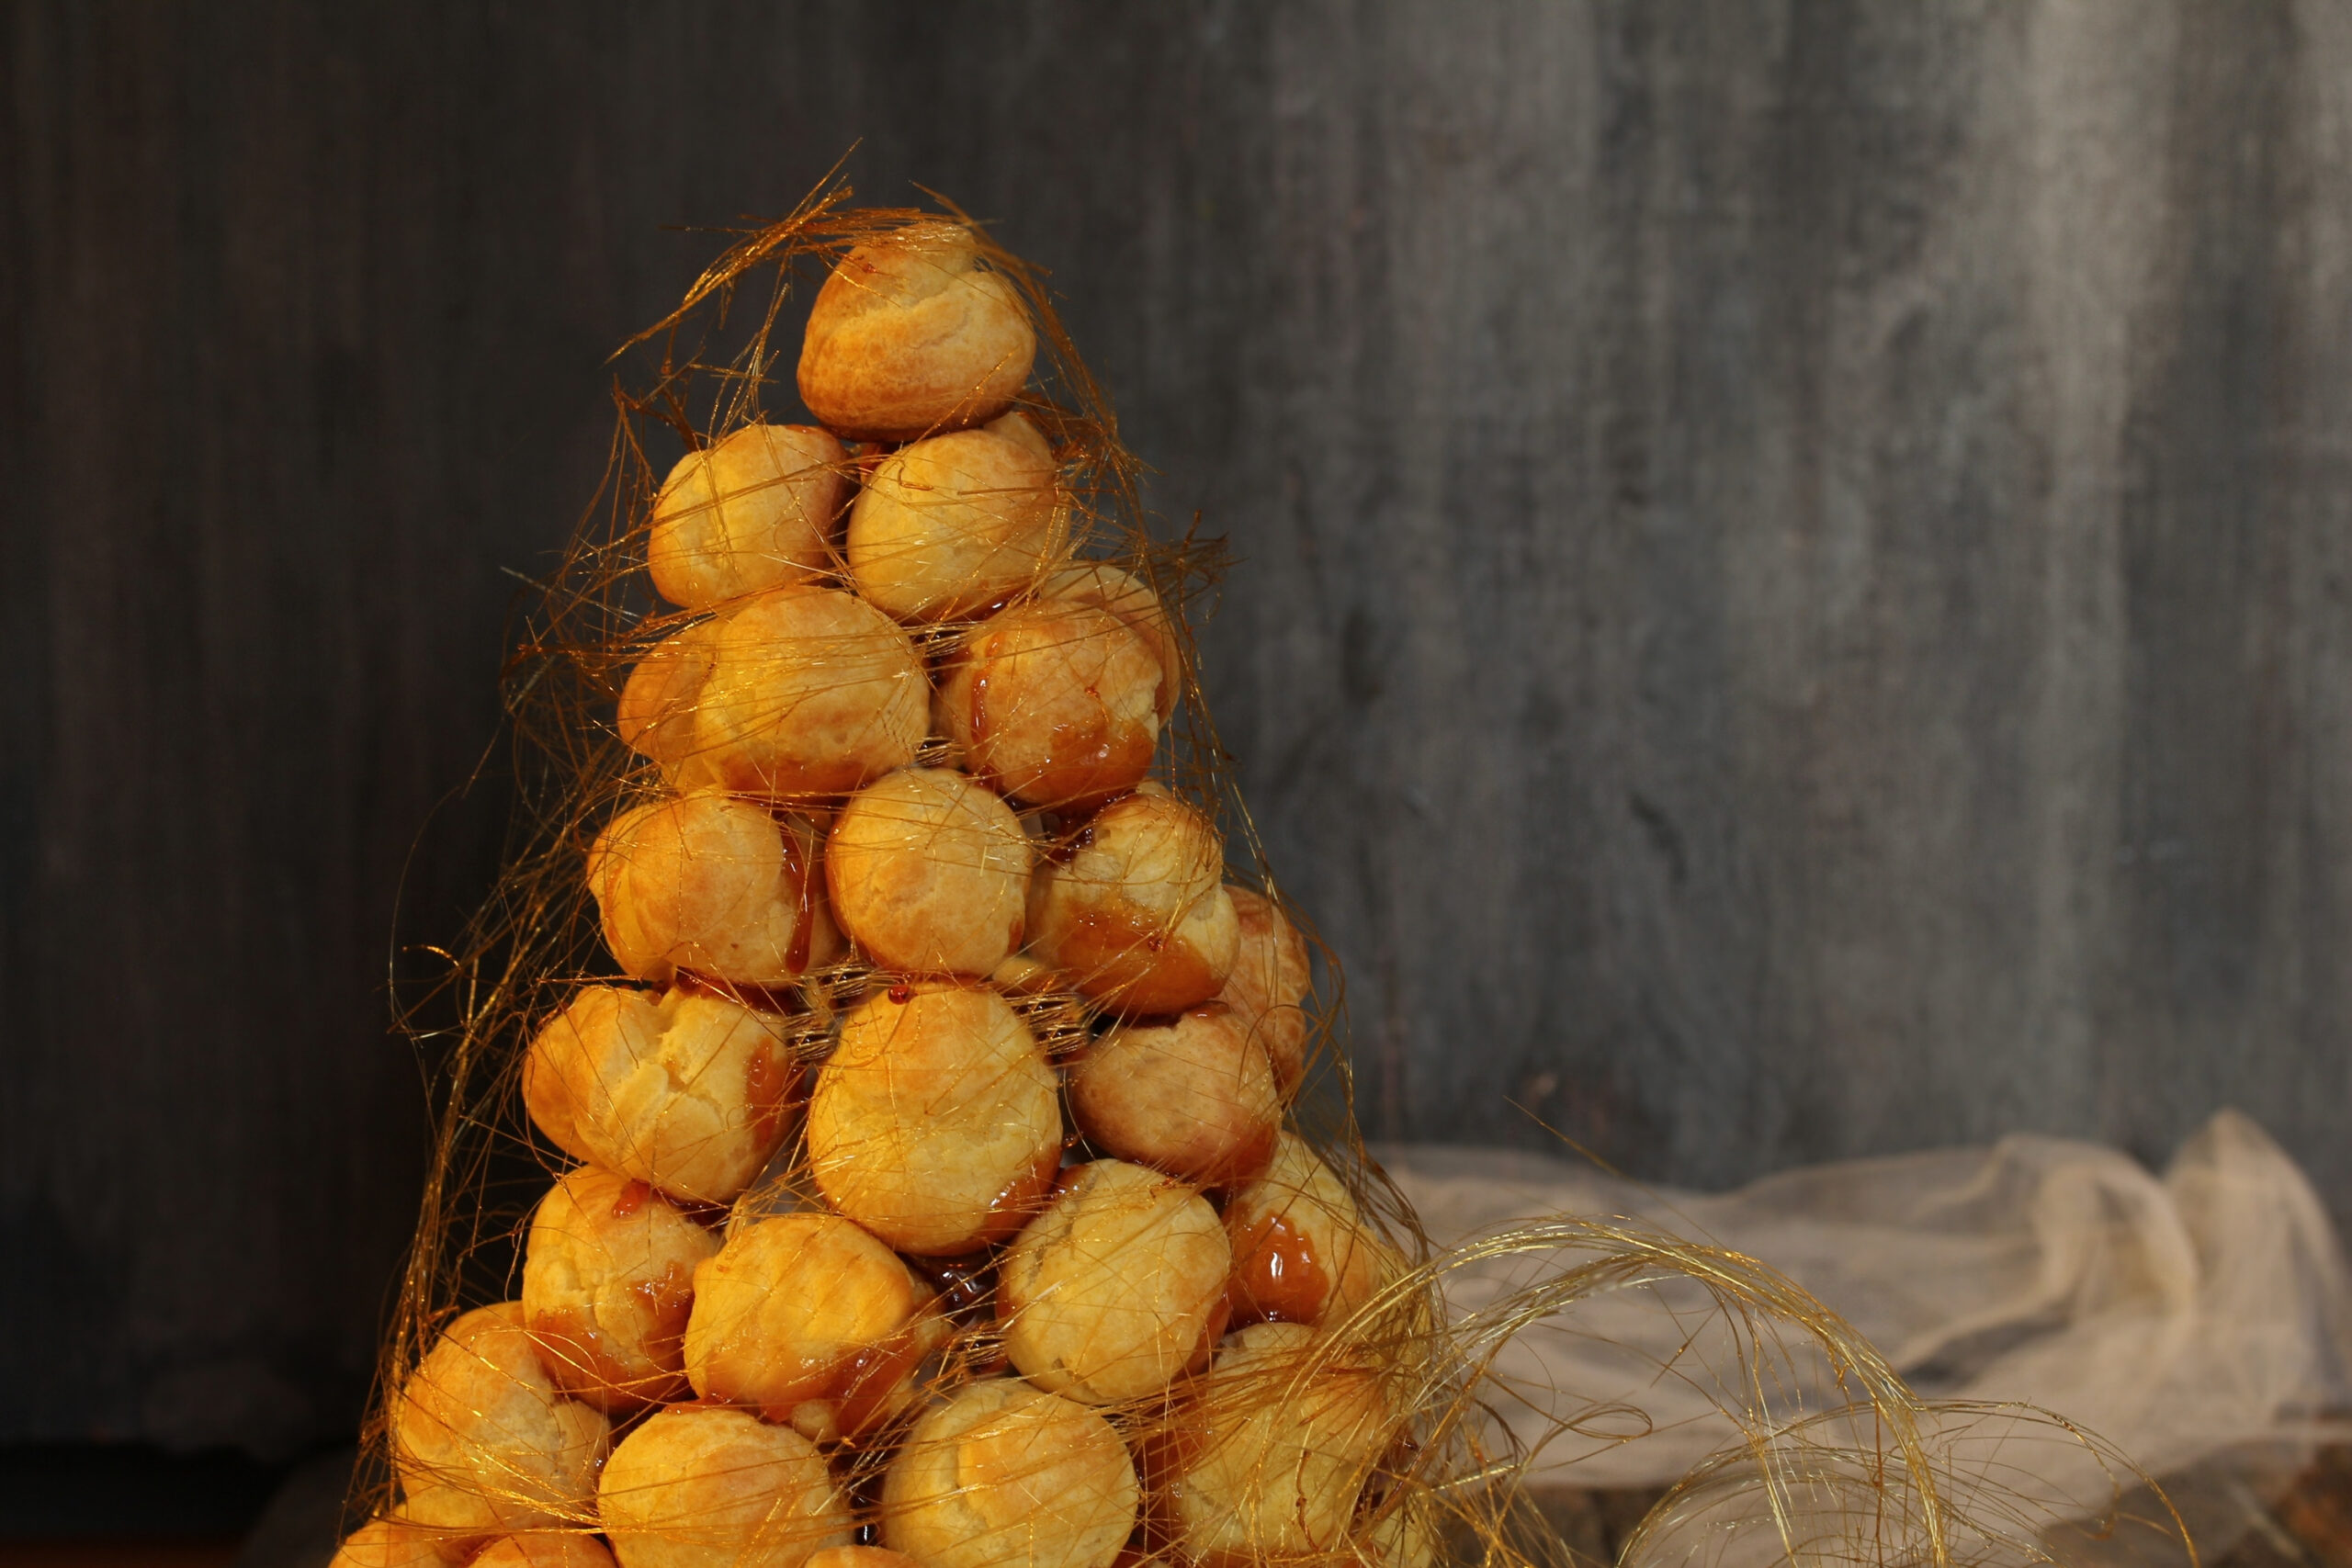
{"x": 1793, "y": 600}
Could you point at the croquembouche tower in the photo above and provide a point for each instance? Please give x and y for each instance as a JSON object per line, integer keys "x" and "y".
{"x": 926, "y": 1188}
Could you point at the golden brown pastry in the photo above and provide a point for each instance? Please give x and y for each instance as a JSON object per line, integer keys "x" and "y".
{"x": 811, "y": 1321}
{"x": 913, "y": 334}
{"x": 1192, "y": 1095}
{"x": 1006, "y": 1475}
{"x": 1301, "y": 1250}
{"x": 609, "y": 1278}
{"x": 929, "y": 874}
{"x": 955, "y": 524}
{"x": 935, "y": 1124}
{"x": 1055, "y": 702}
{"x": 656, "y": 718}
{"x": 1269, "y": 985}
{"x": 482, "y": 1440}
{"x": 546, "y": 1549}
{"x": 1134, "y": 911}
{"x": 1106, "y": 587}
{"x": 701, "y": 1486}
{"x": 747, "y": 513}
{"x": 715, "y": 884}
{"x": 809, "y": 692}
{"x": 1275, "y": 1447}
{"x": 1118, "y": 1288}
{"x": 861, "y": 1557}
{"x": 688, "y": 1091}
{"x": 388, "y": 1543}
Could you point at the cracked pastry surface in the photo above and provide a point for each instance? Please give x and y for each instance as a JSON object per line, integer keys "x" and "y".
{"x": 1057, "y": 702}
{"x": 928, "y": 872}
{"x": 1134, "y": 911}
{"x": 1116, "y": 1288}
{"x": 483, "y": 1439}
{"x": 607, "y": 1282}
{"x": 712, "y": 883}
{"x": 1192, "y": 1096}
{"x": 688, "y": 1091}
{"x": 914, "y": 333}
{"x": 951, "y": 525}
{"x": 935, "y": 1124}
{"x": 752, "y": 511}
{"x": 811, "y": 1321}
{"x": 709, "y": 1487}
{"x": 1006, "y": 1475}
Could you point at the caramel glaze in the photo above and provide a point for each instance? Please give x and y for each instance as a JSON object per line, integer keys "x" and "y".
{"x": 772, "y": 1088}
{"x": 840, "y": 1400}
{"x": 597, "y": 1370}
{"x": 1277, "y": 1276}
{"x": 1020, "y": 1199}
{"x": 1123, "y": 956}
{"x": 1087, "y": 764}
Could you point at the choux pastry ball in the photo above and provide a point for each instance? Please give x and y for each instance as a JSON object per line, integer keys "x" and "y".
{"x": 656, "y": 717}
{"x": 1056, "y": 702}
{"x": 750, "y": 512}
{"x": 929, "y": 874}
{"x": 388, "y": 1543}
{"x": 483, "y": 1441}
{"x": 1106, "y": 587}
{"x": 1302, "y": 1252}
{"x": 608, "y": 1277}
{"x": 914, "y": 334}
{"x": 1267, "y": 990}
{"x": 1117, "y": 1289}
{"x": 809, "y": 692}
{"x": 811, "y": 1322}
{"x": 701, "y": 1486}
{"x": 709, "y": 883}
{"x": 1006, "y": 1475}
{"x": 954, "y": 524}
{"x": 935, "y": 1124}
{"x": 1134, "y": 911}
{"x": 1270, "y": 1456}
{"x": 546, "y": 1549}
{"x": 690, "y": 1092}
{"x": 1191, "y": 1095}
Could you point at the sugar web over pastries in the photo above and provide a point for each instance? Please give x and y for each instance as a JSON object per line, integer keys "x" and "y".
{"x": 888, "y": 970}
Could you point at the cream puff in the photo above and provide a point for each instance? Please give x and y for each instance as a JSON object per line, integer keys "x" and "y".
{"x": 700, "y": 1486}
{"x": 1006, "y": 1475}
{"x": 388, "y": 1543}
{"x": 747, "y": 512}
{"x": 1133, "y": 909}
{"x": 546, "y": 1549}
{"x": 1191, "y": 1095}
{"x": 929, "y": 874}
{"x": 1106, "y": 587}
{"x": 950, "y": 526}
{"x": 1268, "y": 986}
{"x": 807, "y": 692}
{"x": 935, "y": 1124}
{"x": 1054, "y": 700}
{"x": 811, "y": 1322}
{"x": 656, "y": 717}
{"x": 690, "y": 1092}
{"x": 482, "y": 1440}
{"x": 1118, "y": 1288}
{"x": 914, "y": 333}
{"x": 714, "y": 885}
{"x": 607, "y": 1282}
{"x": 1302, "y": 1252}
{"x": 1272, "y": 1450}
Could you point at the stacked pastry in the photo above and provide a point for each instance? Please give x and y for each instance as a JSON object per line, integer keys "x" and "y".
{"x": 915, "y": 1278}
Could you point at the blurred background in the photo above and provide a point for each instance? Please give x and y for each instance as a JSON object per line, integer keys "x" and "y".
{"x": 1792, "y": 588}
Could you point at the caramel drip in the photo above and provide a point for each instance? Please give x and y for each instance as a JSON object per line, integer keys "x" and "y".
{"x": 771, "y": 1088}
{"x": 631, "y": 1199}
{"x": 799, "y": 869}
{"x": 1277, "y": 1277}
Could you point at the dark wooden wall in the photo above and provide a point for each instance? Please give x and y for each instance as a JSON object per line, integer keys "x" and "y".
{"x": 1793, "y": 602}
